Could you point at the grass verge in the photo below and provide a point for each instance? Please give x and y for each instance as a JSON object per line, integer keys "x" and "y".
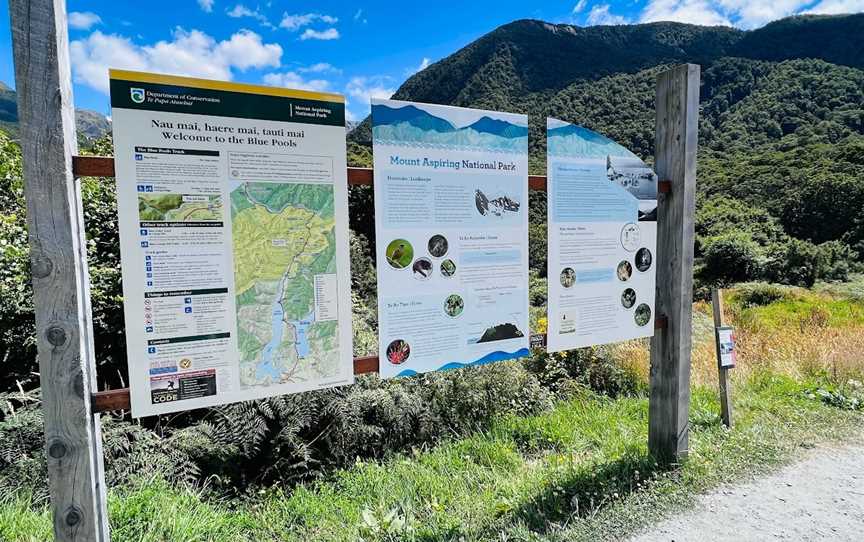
{"x": 578, "y": 472}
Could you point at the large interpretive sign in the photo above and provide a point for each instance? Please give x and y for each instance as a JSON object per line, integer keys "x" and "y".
{"x": 232, "y": 205}
{"x": 451, "y": 217}
{"x": 602, "y": 220}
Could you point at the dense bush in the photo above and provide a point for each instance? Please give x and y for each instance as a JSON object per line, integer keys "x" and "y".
{"x": 736, "y": 242}
{"x": 731, "y": 257}
{"x": 588, "y": 367}
{"x": 17, "y": 344}
{"x": 758, "y": 294}
{"x": 287, "y": 438}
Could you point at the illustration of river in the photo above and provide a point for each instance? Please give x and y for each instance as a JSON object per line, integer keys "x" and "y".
{"x": 266, "y": 369}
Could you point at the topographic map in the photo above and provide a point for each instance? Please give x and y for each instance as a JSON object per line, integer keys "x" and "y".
{"x": 179, "y": 207}
{"x": 284, "y": 235}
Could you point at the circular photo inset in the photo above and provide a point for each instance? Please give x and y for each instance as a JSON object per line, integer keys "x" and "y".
{"x": 454, "y": 305}
{"x": 437, "y": 246}
{"x": 399, "y": 253}
{"x": 568, "y": 277}
{"x": 624, "y": 270}
{"x": 398, "y": 352}
{"x": 448, "y": 268}
{"x": 643, "y": 259}
{"x": 422, "y": 268}
{"x": 642, "y": 314}
{"x": 630, "y": 235}
{"x": 628, "y": 298}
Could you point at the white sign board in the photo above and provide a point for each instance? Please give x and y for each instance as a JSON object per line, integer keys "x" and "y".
{"x": 602, "y": 231}
{"x": 451, "y": 220}
{"x": 726, "y": 347}
{"x": 232, "y": 206}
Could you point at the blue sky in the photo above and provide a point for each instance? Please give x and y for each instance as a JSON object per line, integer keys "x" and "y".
{"x": 361, "y": 49}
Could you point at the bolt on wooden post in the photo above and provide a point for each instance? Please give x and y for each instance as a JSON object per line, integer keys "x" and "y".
{"x": 61, "y": 287}
{"x": 677, "y": 105}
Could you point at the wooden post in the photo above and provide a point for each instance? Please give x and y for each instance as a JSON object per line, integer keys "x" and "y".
{"x": 676, "y": 133}
{"x": 58, "y": 265}
{"x": 725, "y": 392}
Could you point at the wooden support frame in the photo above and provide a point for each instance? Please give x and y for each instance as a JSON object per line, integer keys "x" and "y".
{"x": 676, "y": 135}
{"x": 58, "y": 259}
{"x": 103, "y": 166}
{"x": 61, "y": 285}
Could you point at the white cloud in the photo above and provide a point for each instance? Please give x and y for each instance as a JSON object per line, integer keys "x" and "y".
{"x": 295, "y": 80}
{"x": 365, "y": 88}
{"x": 296, "y": 22}
{"x": 329, "y": 34}
{"x": 245, "y": 50}
{"x": 755, "y": 13}
{"x": 600, "y": 15}
{"x": 423, "y": 65}
{"x": 745, "y": 14}
{"x": 320, "y": 67}
{"x": 191, "y": 53}
{"x": 83, "y": 20}
{"x": 741, "y": 13}
{"x": 206, "y": 5}
{"x": 241, "y": 10}
{"x": 359, "y": 16}
{"x": 685, "y": 11}
{"x": 833, "y": 7}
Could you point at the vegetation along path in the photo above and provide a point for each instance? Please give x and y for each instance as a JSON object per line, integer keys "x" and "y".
{"x": 820, "y": 498}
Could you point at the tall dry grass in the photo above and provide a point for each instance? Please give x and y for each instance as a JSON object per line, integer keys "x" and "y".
{"x": 805, "y": 347}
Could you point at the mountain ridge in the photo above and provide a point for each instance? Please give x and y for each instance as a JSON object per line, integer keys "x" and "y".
{"x": 90, "y": 125}
{"x": 529, "y": 60}
{"x": 781, "y": 127}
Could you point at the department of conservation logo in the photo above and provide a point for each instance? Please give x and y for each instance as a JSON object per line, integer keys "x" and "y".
{"x": 137, "y": 95}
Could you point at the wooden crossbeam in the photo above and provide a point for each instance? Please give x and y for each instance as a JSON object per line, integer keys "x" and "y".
{"x": 109, "y": 400}
{"x": 103, "y": 166}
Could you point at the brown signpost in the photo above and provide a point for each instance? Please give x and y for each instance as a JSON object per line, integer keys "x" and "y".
{"x": 58, "y": 264}
{"x": 61, "y": 287}
{"x": 723, "y": 371}
{"x": 676, "y": 135}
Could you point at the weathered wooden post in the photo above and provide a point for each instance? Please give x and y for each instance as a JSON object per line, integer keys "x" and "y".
{"x": 677, "y": 104}
{"x": 723, "y": 372}
{"x": 58, "y": 260}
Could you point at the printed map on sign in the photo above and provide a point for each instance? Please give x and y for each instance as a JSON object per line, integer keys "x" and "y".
{"x": 284, "y": 237}
{"x": 179, "y": 207}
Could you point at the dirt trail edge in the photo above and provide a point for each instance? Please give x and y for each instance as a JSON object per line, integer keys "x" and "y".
{"x": 818, "y": 498}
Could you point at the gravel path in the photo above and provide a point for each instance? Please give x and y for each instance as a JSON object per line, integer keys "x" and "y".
{"x": 819, "y": 498}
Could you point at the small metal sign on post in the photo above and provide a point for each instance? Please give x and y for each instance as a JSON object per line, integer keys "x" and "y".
{"x": 724, "y": 338}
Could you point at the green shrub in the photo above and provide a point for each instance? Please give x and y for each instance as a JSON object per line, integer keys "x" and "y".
{"x": 538, "y": 254}
{"x": 759, "y": 294}
{"x": 797, "y": 262}
{"x": 589, "y": 367}
{"x": 294, "y": 437}
{"x": 537, "y": 289}
{"x": 838, "y": 260}
{"x": 130, "y": 450}
{"x": 731, "y": 257}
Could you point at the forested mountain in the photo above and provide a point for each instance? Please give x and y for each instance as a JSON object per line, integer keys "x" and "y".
{"x": 781, "y": 123}
{"x": 91, "y": 125}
